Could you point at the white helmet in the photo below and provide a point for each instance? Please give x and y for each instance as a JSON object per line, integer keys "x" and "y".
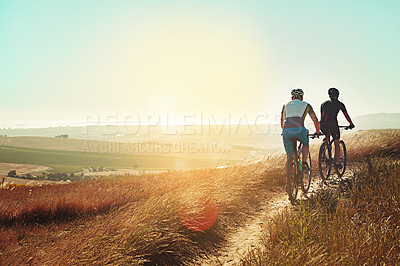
{"x": 297, "y": 94}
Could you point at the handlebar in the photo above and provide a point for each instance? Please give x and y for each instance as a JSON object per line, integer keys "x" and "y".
{"x": 347, "y": 127}
{"x": 315, "y": 135}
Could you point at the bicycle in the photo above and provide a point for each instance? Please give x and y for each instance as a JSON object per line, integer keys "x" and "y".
{"x": 325, "y": 160}
{"x": 295, "y": 175}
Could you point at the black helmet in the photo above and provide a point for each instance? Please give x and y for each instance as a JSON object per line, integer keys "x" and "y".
{"x": 297, "y": 93}
{"x": 333, "y": 92}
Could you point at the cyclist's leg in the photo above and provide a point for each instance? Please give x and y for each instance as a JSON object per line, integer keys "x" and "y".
{"x": 326, "y": 131}
{"x": 334, "y": 128}
{"x": 303, "y": 138}
{"x": 286, "y": 135}
{"x": 337, "y": 150}
{"x": 305, "y": 153}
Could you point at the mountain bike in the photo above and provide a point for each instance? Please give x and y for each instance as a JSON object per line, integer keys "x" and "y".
{"x": 296, "y": 175}
{"x": 326, "y": 160}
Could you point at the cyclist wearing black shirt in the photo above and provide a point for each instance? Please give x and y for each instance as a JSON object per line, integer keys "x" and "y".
{"x": 329, "y": 123}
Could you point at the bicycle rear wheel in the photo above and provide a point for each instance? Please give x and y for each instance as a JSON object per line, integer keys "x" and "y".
{"x": 324, "y": 160}
{"x": 306, "y": 176}
{"x": 291, "y": 174}
{"x": 342, "y": 159}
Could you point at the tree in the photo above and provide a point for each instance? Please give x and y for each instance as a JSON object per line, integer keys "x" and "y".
{"x": 12, "y": 173}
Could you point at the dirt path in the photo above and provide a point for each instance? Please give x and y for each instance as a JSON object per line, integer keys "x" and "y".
{"x": 249, "y": 236}
{"x": 245, "y": 238}
{"x": 21, "y": 169}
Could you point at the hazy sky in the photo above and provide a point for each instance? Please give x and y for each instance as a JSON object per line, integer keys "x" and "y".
{"x": 83, "y": 60}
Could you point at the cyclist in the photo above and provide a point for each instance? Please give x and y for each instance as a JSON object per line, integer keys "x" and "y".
{"x": 292, "y": 123}
{"x": 329, "y": 123}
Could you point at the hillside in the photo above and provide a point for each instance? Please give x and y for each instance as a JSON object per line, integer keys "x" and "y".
{"x": 46, "y": 143}
{"x": 261, "y": 136}
{"x": 242, "y": 134}
{"x": 195, "y": 152}
{"x": 72, "y": 155}
{"x": 378, "y": 121}
{"x": 243, "y": 140}
{"x": 175, "y": 217}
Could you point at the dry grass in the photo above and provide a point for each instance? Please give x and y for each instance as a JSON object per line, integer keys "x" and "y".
{"x": 372, "y": 143}
{"x": 129, "y": 219}
{"x": 358, "y": 225}
{"x": 138, "y": 219}
{"x": 30, "y": 205}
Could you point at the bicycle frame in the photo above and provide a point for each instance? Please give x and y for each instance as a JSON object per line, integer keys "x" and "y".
{"x": 297, "y": 151}
{"x": 296, "y": 176}
{"x": 292, "y": 173}
{"x": 341, "y": 130}
{"x": 326, "y": 160}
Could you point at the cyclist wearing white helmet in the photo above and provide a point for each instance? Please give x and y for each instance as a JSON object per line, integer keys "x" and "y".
{"x": 292, "y": 122}
{"x": 329, "y": 123}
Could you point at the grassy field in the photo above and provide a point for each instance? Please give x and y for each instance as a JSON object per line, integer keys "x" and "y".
{"x": 156, "y": 218}
{"x": 355, "y": 226}
{"x": 74, "y": 161}
{"x": 128, "y": 219}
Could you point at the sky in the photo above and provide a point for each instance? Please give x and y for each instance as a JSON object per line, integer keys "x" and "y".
{"x": 69, "y": 62}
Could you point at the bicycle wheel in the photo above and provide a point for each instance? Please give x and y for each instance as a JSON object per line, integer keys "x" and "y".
{"x": 342, "y": 159}
{"x": 324, "y": 163}
{"x": 306, "y": 176}
{"x": 291, "y": 174}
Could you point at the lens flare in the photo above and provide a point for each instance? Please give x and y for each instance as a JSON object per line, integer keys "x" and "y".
{"x": 198, "y": 213}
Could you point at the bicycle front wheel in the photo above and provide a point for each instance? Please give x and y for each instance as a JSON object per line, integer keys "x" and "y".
{"x": 306, "y": 176}
{"x": 342, "y": 159}
{"x": 324, "y": 160}
{"x": 291, "y": 174}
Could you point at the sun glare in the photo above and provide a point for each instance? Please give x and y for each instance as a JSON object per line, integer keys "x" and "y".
{"x": 194, "y": 66}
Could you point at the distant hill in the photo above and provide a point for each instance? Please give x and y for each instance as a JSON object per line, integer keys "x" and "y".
{"x": 377, "y": 121}
{"x": 256, "y": 137}
{"x": 264, "y": 137}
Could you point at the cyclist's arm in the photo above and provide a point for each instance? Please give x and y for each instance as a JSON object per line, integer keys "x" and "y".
{"x": 348, "y": 118}
{"x": 316, "y": 123}
{"x": 343, "y": 108}
{"x": 282, "y": 120}
{"x": 322, "y": 110}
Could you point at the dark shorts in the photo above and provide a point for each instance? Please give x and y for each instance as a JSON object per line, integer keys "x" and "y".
{"x": 331, "y": 129}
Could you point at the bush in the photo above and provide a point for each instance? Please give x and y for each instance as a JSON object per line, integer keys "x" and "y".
{"x": 12, "y": 173}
